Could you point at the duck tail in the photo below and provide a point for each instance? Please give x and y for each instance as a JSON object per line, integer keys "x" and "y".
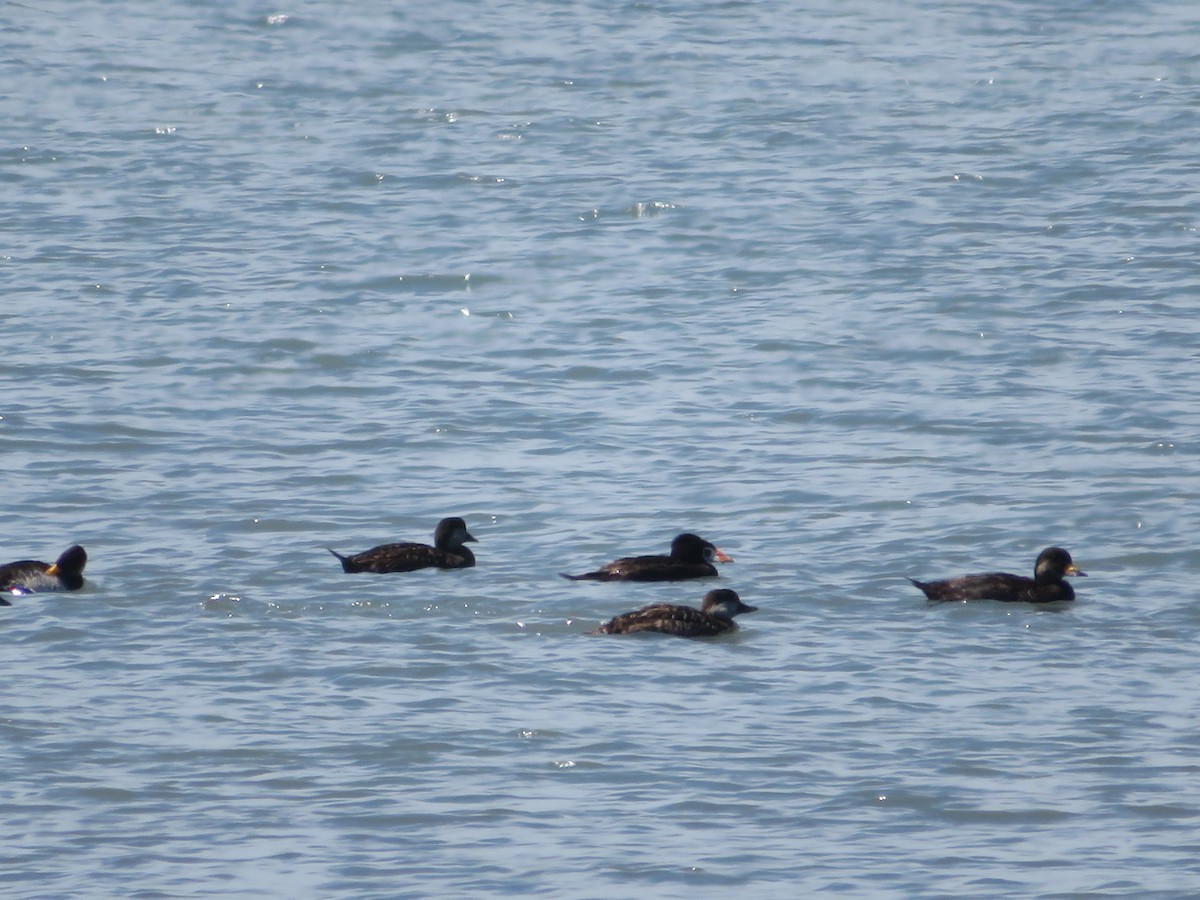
{"x": 924, "y": 589}
{"x": 586, "y": 576}
{"x": 347, "y": 566}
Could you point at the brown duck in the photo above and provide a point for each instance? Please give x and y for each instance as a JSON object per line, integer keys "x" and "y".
{"x": 691, "y": 557}
{"x": 714, "y": 617}
{"x": 447, "y": 552}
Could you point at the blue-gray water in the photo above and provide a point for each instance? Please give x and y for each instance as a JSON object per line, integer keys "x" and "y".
{"x": 856, "y": 290}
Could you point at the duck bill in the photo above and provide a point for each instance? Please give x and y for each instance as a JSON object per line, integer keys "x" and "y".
{"x": 470, "y": 540}
{"x": 721, "y": 556}
{"x": 53, "y": 570}
{"x": 1072, "y": 570}
{"x": 746, "y": 607}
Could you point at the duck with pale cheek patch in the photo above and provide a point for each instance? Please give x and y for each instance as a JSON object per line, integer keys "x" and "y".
{"x": 714, "y": 617}
{"x": 448, "y": 552}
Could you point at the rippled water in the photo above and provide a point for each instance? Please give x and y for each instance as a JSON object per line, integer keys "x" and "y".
{"x": 857, "y": 291}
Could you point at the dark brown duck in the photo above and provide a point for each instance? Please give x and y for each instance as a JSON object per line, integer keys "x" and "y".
{"x": 691, "y": 557}
{"x": 714, "y": 617}
{"x": 1046, "y": 585}
{"x": 448, "y": 552}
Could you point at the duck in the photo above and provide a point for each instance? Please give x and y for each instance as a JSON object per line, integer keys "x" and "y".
{"x": 691, "y": 557}
{"x": 447, "y": 552}
{"x": 1046, "y": 585}
{"x": 31, "y": 576}
{"x": 714, "y": 617}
